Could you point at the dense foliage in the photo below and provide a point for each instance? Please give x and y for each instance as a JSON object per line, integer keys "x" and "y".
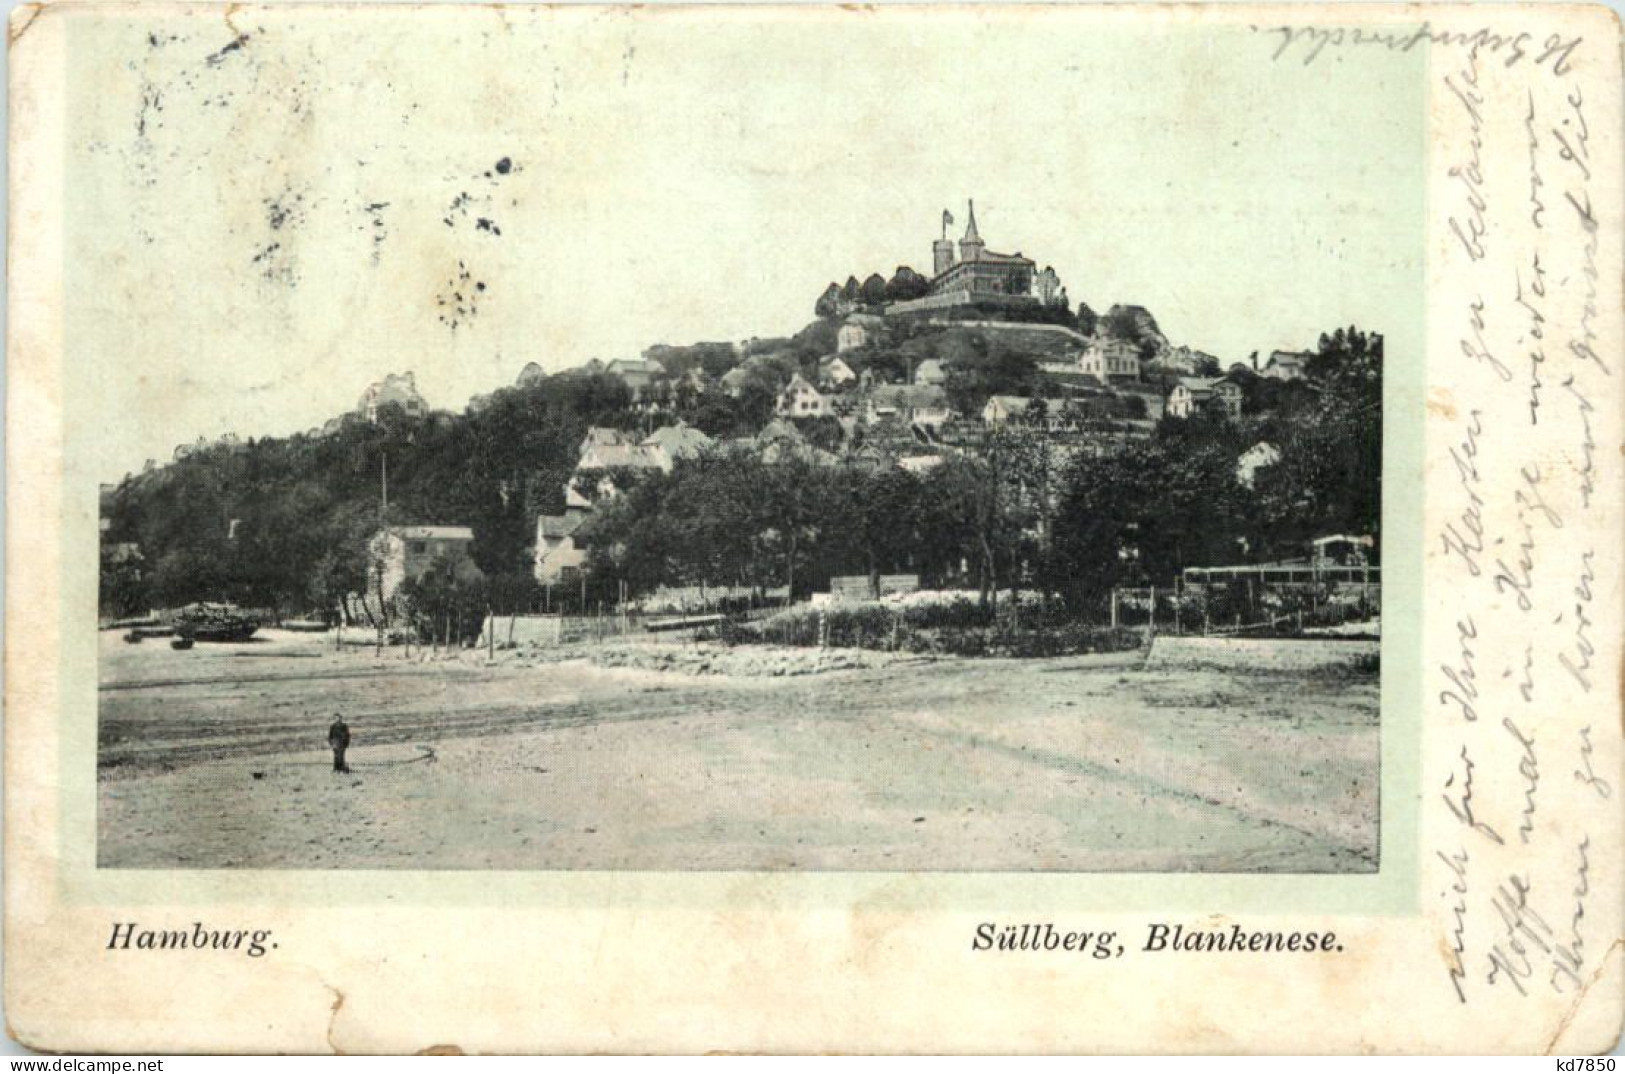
{"x": 285, "y": 523}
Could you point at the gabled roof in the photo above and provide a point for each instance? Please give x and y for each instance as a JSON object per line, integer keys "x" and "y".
{"x": 603, "y": 436}
{"x": 433, "y": 533}
{"x": 622, "y": 366}
{"x": 1009, "y": 402}
{"x": 783, "y": 451}
{"x": 616, "y": 456}
{"x": 678, "y": 441}
{"x": 779, "y": 429}
{"x": 797, "y": 379}
{"x": 559, "y": 525}
{"x": 915, "y": 396}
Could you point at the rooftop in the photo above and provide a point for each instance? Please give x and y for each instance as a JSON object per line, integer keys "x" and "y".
{"x": 433, "y": 533}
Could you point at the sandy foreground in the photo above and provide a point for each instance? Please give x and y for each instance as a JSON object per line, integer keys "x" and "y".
{"x": 216, "y": 758}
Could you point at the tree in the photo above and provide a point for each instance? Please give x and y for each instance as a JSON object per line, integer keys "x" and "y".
{"x": 874, "y": 290}
{"x": 971, "y": 381}
{"x": 826, "y": 304}
{"x": 906, "y": 285}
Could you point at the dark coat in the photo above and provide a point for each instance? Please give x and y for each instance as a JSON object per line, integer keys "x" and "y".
{"x": 338, "y": 736}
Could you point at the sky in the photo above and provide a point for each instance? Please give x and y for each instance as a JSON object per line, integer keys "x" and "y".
{"x": 266, "y": 214}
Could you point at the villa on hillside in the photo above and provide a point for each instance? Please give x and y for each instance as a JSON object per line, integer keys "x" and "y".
{"x": 858, "y": 330}
{"x": 834, "y": 372}
{"x": 801, "y": 400}
{"x": 1191, "y": 394}
{"x": 1286, "y": 365}
{"x": 931, "y": 373}
{"x": 557, "y": 559}
{"x": 398, "y": 389}
{"x": 912, "y": 404}
{"x": 405, "y": 553}
{"x": 636, "y": 373}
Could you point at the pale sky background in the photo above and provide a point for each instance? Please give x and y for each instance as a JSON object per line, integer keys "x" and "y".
{"x": 682, "y": 176}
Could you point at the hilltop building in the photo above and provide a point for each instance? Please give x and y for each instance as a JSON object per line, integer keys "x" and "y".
{"x": 399, "y": 389}
{"x": 979, "y": 276}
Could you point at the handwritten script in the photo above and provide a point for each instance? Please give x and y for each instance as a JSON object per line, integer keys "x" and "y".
{"x": 1521, "y": 727}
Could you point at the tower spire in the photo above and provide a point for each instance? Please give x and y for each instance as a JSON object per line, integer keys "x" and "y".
{"x": 971, "y": 246}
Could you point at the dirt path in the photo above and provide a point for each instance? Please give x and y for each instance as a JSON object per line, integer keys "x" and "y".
{"x": 1080, "y": 764}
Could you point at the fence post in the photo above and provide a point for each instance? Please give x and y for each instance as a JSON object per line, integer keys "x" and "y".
{"x": 1114, "y": 607}
{"x": 1151, "y": 623}
{"x": 490, "y": 634}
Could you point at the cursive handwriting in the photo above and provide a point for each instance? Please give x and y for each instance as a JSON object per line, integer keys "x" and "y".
{"x": 1588, "y": 445}
{"x": 1554, "y": 52}
{"x": 1568, "y": 958}
{"x": 1524, "y": 932}
{"x": 1463, "y": 678}
{"x": 1588, "y": 775}
{"x": 1580, "y": 664}
{"x": 1531, "y": 301}
{"x": 1470, "y": 174}
{"x": 1456, "y": 963}
{"x": 1529, "y": 772}
{"x": 1462, "y": 805}
{"x": 1468, "y": 544}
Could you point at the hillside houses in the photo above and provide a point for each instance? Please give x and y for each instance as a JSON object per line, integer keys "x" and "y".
{"x": 1286, "y": 365}
{"x": 397, "y": 389}
{"x": 557, "y": 559}
{"x": 931, "y": 373}
{"x": 1018, "y": 409}
{"x": 801, "y": 399}
{"x": 402, "y": 554}
{"x": 858, "y": 330}
{"x": 1110, "y": 359}
{"x": 834, "y": 373}
{"x": 1192, "y": 394}
{"x": 912, "y": 404}
{"x": 1254, "y": 459}
{"x": 679, "y": 441}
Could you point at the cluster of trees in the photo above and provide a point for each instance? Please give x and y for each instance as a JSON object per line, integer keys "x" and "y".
{"x": 284, "y": 524}
{"x": 1023, "y": 510}
{"x": 875, "y": 290}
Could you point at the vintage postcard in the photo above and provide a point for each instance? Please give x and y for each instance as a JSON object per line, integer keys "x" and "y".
{"x": 902, "y": 528}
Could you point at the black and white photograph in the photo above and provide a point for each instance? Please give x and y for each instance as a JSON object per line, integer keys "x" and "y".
{"x": 829, "y": 529}
{"x": 1007, "y": 512}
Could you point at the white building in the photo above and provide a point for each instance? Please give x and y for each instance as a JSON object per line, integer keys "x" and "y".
{"x": 800, "y": 399}
{"x": 1106, "y": 358}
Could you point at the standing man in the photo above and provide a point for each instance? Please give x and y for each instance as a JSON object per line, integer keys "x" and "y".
{"x": 338, "y": 736}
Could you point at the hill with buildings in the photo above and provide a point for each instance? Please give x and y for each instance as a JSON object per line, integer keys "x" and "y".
{"x": 939, "y": 425}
